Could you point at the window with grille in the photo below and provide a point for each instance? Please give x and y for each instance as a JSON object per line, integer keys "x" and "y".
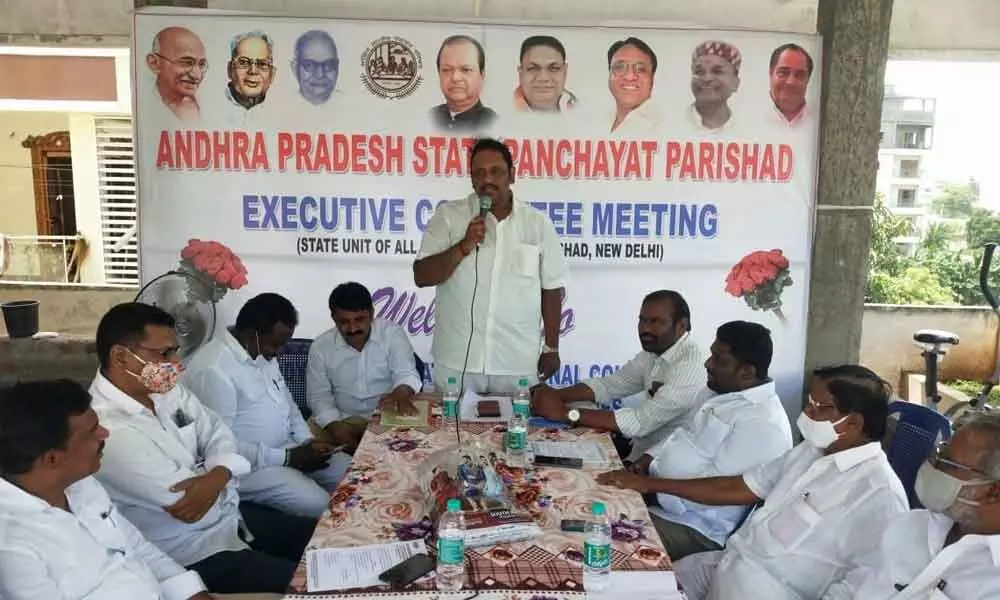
{"x": 117, "y": 190}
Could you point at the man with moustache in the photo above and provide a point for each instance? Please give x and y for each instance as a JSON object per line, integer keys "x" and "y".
{"x": 669, "y": 369}
{"x": 251, "y": 69}
{"x": 500, "y": 273}
{"x": 177, "y": 60}
{"x": 359, "y": 364}
{"x": 316, "y": 66}
{"x": 790, "y": 71}
{"x": 461, "y": 65}
{"x": 237, "y": 375}
{"x": 951, "y": 550}
{"x": 542, "y": 77}
{"x": 60, "y": 535}
{"x": 715, "y": 77}
{"x": 631, "y": 71}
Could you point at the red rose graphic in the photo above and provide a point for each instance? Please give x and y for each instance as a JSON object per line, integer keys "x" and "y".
{"x": 759, "y": 278}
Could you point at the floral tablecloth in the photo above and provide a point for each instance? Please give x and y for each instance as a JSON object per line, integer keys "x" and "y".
{"x": 380, "y": 501}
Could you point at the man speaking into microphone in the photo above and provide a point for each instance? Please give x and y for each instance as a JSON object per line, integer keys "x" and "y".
{"x": 500, "y": 274}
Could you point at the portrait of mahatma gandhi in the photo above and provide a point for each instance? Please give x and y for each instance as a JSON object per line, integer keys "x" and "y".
{"x": 791, "y": 68}
{"x": 251, "y": 69}
{"x": 461, "y": 65}
{"x": 316, "y": 66}
{"x": 177, "y": 61}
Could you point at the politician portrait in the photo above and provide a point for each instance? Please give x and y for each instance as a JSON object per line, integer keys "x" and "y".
{"x": 461, "y": 66}
{"x": 251, "y": 69}
{"x": 631, "y": 71}
{"x": 715, "y": 77}
{"x": 791, "y": 69}
{"x": 177, "y": 61}
{"x": 541, "y": 77}
{"x": 316, "y": 66}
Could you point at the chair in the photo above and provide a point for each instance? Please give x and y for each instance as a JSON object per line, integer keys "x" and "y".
{"x": 292, "y": 361}
{"x": 917, "y": 432}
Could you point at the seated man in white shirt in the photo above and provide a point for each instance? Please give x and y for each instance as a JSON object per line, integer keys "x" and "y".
{"x": 358, "y": 364}
{"x": 60, "y": 535}
{"x": 738, "y": 424}
{"x": 952, "y": 550}
{"x": 822, "y": 501}
{"x": 170, "y": 463}
{"x": 237, "y": 376}
{"x": 670, "y": 369}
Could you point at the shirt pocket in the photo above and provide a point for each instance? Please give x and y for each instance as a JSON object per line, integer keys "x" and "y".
{"x": 525, "y": 260}
{"x": 189, "y": 438}
{"x": 793, "y": 523}
{"x": 713, "y": 433}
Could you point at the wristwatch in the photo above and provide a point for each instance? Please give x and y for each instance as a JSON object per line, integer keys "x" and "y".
{"x": 547, "y": 349}
{"x": 574, "y": 416}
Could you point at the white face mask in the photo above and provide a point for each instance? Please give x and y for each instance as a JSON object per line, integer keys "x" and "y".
{"x": 939, "y": 492}
{"x": 818, "y": 433}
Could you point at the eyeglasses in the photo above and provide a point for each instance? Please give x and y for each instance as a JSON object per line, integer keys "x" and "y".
{"x": 315, "y": 67}
{"x": 940, "y": 460}
{"x": 188, "y": 63}
{"x": 639, "y": 69}
{"x": 263, "y": 65}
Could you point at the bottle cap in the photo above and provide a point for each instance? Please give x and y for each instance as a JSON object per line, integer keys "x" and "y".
{"x": 597, "y": 508}
{"x": 454, "y": 505}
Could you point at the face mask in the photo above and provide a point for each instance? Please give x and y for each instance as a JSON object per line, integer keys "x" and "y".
{"x": 818, "y": 433}
{"x": 158, "y": 378}
{"x": 938, "y": 491}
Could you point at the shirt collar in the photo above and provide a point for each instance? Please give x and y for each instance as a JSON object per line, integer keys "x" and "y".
{"x": 118, "y": 398}
{"x": 757, "y": 393}
{"x": 798, "y": 118}
{"x": 695, "y": 118}
{"x": 938, "y": 526}
{"x": 15, "y": 499}
{"x": 232, "y": 344}
{"x": 674, "y": 350}
{"x": 848, "y": 459}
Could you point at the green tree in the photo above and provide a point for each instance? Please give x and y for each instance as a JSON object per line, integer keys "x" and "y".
{"x": 916, "y": 285}
{"x": 983, "y": 226}
{"x": 956, "y": 200}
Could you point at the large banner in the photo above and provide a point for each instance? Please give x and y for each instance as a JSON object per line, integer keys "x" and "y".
{"x": 302, "y": 153}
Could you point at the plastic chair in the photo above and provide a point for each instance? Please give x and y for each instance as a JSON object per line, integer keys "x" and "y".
{"x": 918, "y": 430}
{"x": 292, "y": 361}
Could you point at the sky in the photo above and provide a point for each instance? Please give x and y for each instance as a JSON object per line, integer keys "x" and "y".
{"x": 966, "y": 129}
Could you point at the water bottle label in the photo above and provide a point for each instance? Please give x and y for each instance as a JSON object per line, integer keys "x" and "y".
{"x": 597, "y": 556}
{"x": 522, "y": 408}
{"x": 451, "y": 551}
{"x": 450, "y": 409}
{"x": 516, "y": 440}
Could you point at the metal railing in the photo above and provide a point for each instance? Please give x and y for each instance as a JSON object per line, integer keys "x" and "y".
{"x": 41, "y": 258}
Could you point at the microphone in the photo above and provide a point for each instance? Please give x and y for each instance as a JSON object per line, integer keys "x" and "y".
{"x": 485, "y": 204}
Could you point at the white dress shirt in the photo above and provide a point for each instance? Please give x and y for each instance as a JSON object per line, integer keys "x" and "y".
{"x": 342, "y": 382}
{"x": 251, "y": 398}
{"x": 799, "y": 120}
{"x": 519, "y": 257}
{"x": 148, "y": 453}
{"x": 680, "y": 370}
{"x": 816, "y": 534}
{"x": 643, "y": 121}
{"x": 91, "y": 552}
{"x": 914, "y": 555}
{"x": 726, "y": 434}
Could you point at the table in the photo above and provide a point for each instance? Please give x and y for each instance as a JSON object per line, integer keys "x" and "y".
{"x": 380, "y": 501}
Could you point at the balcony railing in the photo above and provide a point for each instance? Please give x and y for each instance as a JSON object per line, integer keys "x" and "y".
{"x": 42, "y": 258}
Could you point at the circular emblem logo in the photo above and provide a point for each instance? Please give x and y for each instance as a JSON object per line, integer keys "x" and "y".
{"x": 390, "y": 68}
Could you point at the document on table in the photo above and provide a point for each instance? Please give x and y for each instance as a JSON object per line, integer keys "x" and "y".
{"x": 470, "y": 403}
{"x": 640, "y": 585}
{"x": 330, "y": 569}
{"x": 391, "y": 418}
{"x": 590, "y": 452}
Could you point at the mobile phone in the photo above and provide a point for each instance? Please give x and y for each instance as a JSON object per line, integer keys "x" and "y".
{"x": 559, "y": 461}
{"x": 408, "y": 571}
{"x": 573, "y": 525}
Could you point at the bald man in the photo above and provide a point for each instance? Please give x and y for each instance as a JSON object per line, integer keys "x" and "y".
{"x": 177, "y": 60}
{"x": 461, "y": 64}
{"x": 316, "y": 66}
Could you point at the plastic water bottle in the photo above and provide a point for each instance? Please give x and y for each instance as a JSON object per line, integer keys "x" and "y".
{"x": 449, "y": 413}
{"x": 522, "y": 400}
{"x": 451, "y": 548}
{"x": 597, "y": 551}
{"x": 517, "y": 439}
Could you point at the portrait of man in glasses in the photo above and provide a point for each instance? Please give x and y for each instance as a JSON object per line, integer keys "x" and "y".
{"x": 251, "y": 69}
{"x": 316, "y": 66}
{"x": 177, "y": 61}
{"x": 631, "y": 72}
